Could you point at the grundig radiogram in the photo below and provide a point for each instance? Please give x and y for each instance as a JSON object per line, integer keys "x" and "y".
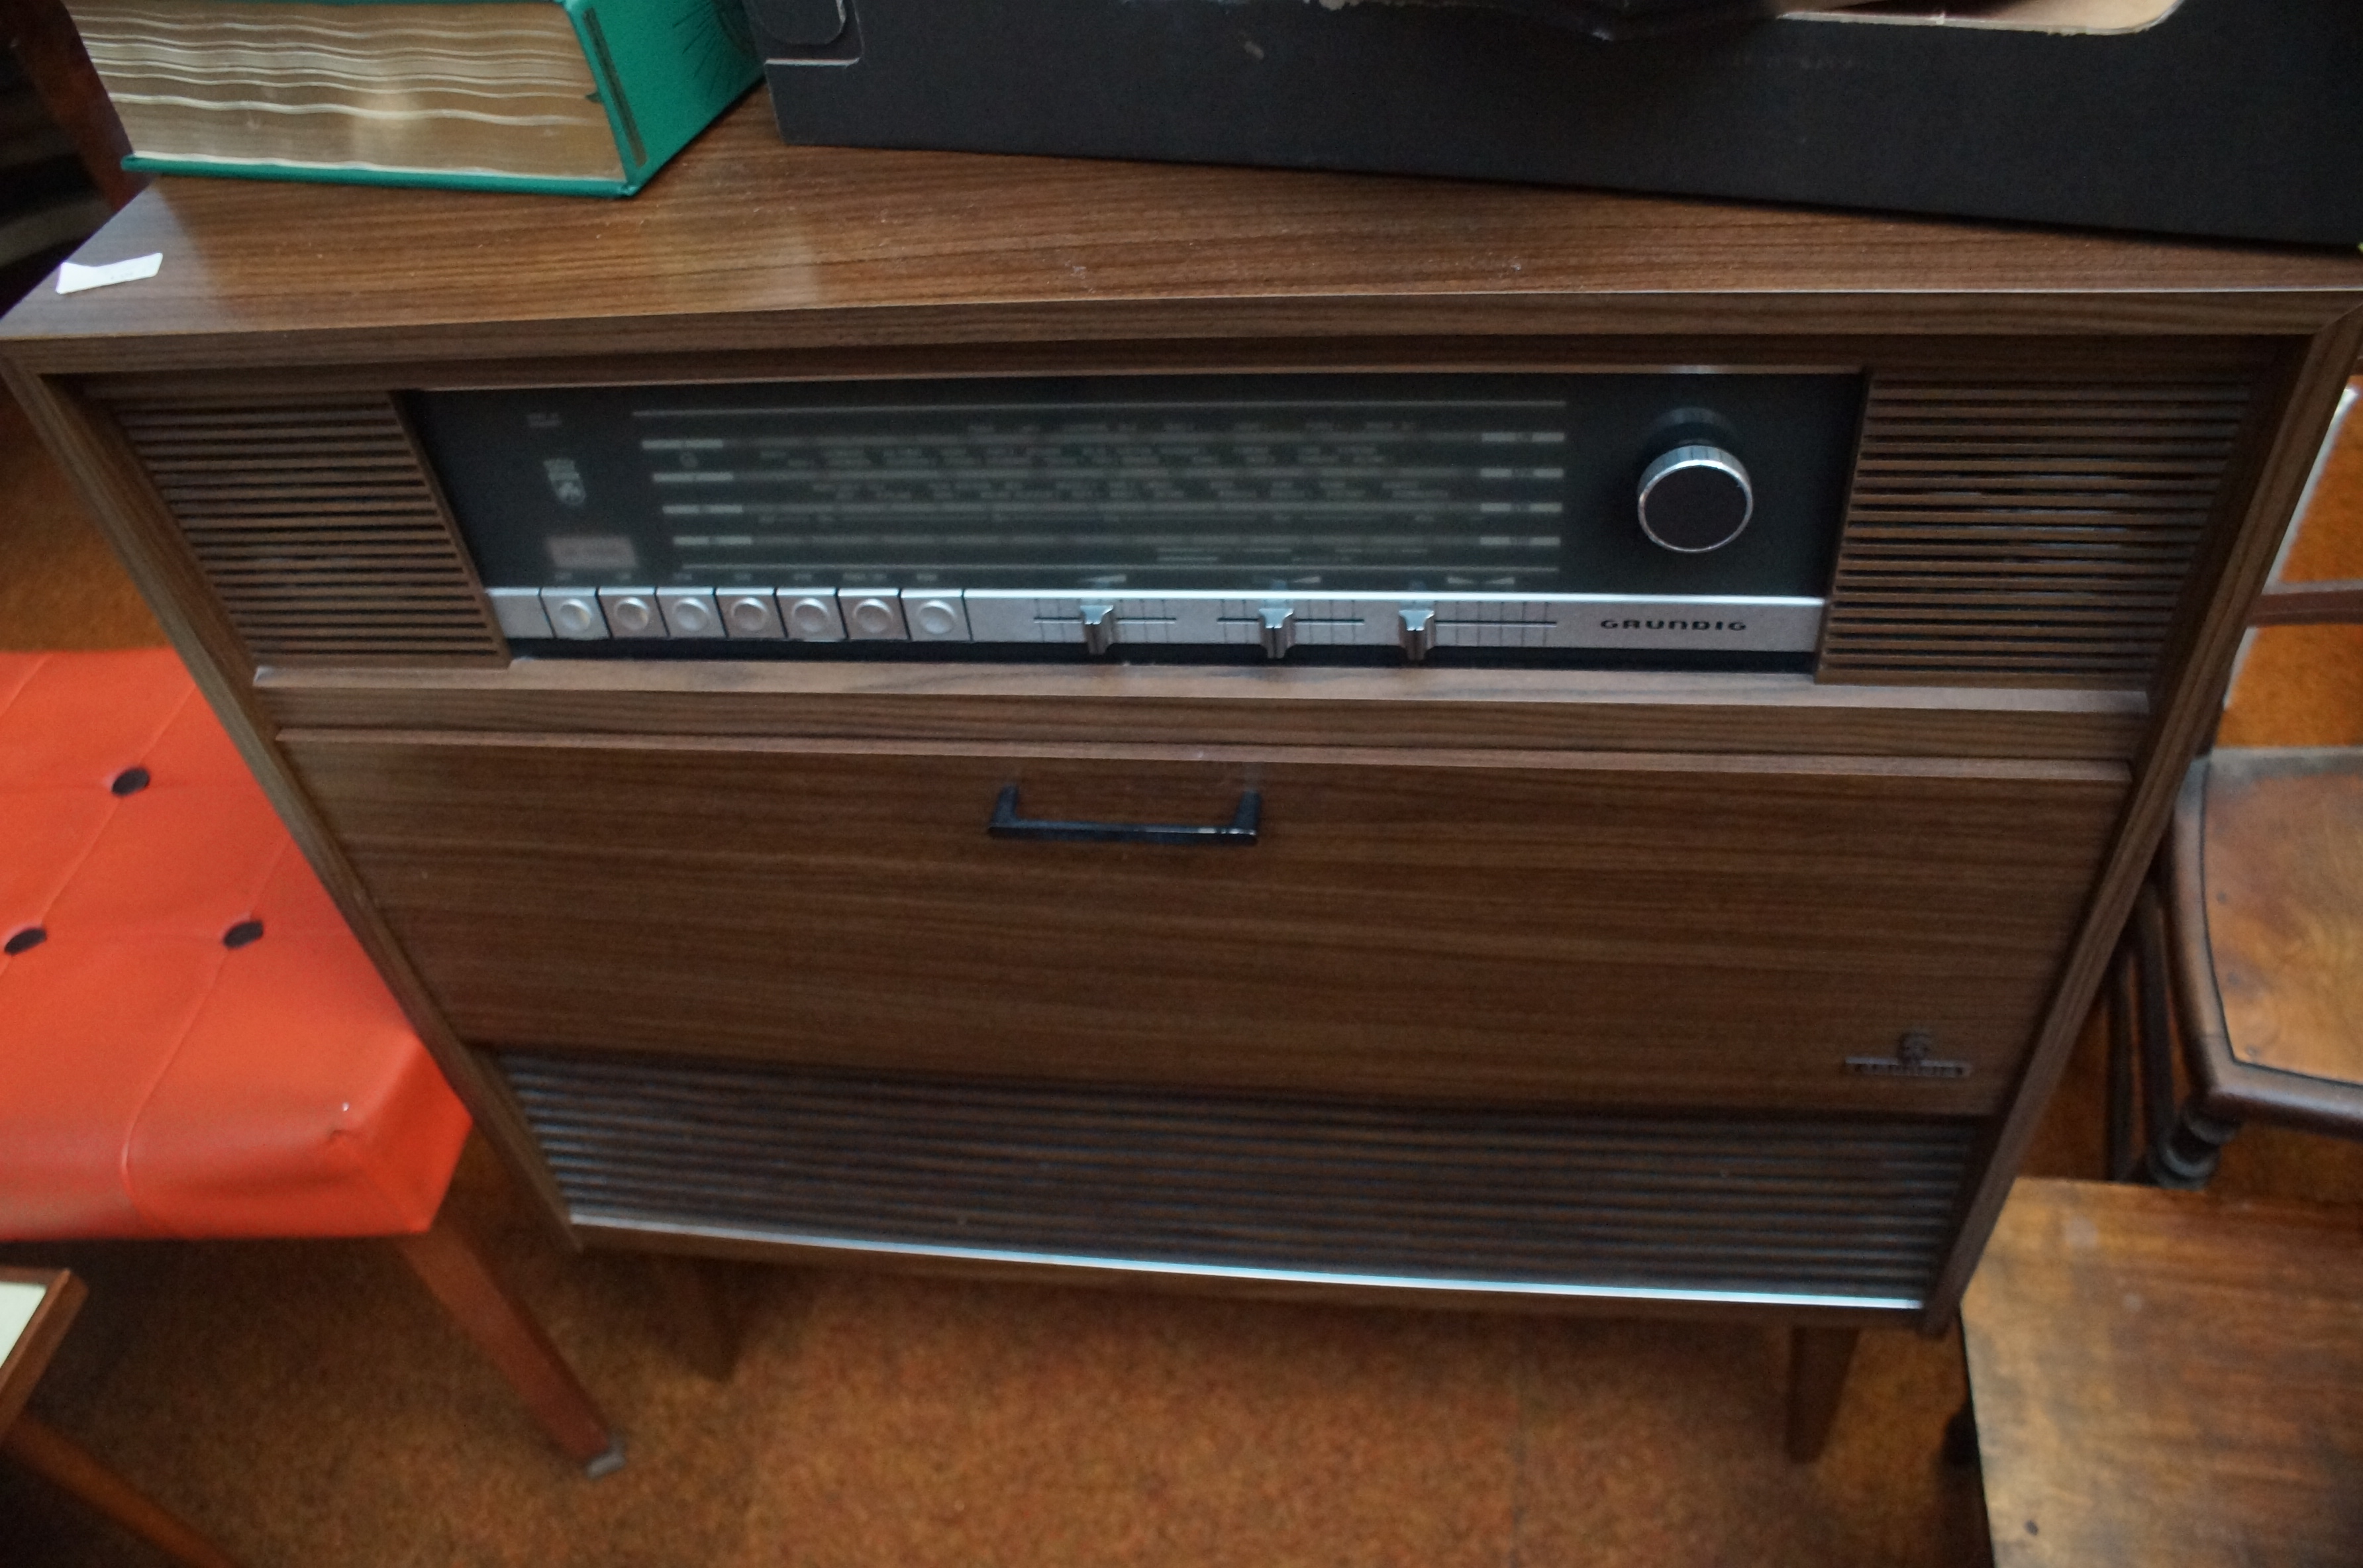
{"x": 1303, "y": 733}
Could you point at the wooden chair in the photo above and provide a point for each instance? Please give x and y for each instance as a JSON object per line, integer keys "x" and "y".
{"x": 2168, "y": 1380}
{"x": 2247, "y": 945}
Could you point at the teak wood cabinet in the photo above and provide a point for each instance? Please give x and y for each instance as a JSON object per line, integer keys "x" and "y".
{"x": 1645, "y": 989}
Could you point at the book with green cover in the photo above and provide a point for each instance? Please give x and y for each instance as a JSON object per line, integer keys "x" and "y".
{"x": 581, "y": 97}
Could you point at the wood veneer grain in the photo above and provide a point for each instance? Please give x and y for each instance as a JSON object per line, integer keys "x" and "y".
{"x": 1602, "y": 928}
{"x": 2164, "y": 1379}
{"x": 1469, "y": 708}
{"x": 745, "y": 244}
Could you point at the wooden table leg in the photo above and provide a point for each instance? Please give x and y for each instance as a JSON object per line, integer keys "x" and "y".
{"x": 454, "y": 1268}
{"x": 1818, "y": 1360}
{"x": 66, "y": 1464}
{"x": 699, "y": 1313}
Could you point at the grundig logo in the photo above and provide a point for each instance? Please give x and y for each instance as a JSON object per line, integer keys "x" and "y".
{"x": 1615, "y": 625}
{"x": 1911, "y": 1060}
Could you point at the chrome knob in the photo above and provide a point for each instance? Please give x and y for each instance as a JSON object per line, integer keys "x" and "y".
{"x": 1695, "y": 499}
{"x": 1418, "y": 632}
{"x": 1099, "y": 627}
{"x": 1278, "y": 629}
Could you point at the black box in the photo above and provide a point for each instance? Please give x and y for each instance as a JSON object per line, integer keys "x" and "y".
{"x": 2237, "y": 118}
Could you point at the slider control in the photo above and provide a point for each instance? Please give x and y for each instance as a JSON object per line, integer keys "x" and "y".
{"x": 1099, "y": 627}
{"x": 1418, "y": 634}
{"x": 1278, "y": 629}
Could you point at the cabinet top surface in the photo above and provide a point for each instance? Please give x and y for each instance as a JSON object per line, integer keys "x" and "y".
{"x": 743, "y": 235}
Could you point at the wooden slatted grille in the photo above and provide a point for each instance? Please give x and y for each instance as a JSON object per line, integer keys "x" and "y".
{"x": 1841, "y": 1207}
{"x": 316, "y": 527}
{"x": 2034, "y": 534}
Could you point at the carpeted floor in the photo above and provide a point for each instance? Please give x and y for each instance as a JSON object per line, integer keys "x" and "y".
{"x": 305, "y": 1403}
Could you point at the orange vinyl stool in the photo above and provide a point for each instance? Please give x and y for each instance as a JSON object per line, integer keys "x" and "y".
{"x": 191, "y": 1043}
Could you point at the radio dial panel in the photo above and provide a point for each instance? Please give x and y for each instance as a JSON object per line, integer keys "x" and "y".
{"x": 1489, "y": 514}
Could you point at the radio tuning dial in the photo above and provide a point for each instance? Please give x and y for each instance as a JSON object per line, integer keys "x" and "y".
{"x": 1695, "y": 499}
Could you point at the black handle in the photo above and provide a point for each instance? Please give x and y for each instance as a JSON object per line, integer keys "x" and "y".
{"x": 1241, "y": 830}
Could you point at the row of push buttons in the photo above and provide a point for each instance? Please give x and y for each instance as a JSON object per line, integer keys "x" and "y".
{"x": 804, "y": 615}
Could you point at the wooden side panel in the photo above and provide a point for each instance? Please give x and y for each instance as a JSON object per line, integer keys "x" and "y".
{"x": 1628, "y": 929}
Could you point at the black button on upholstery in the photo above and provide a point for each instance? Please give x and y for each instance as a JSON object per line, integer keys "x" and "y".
{"x": 241, "y": 934}
{"x": 131, "y": 781}
{"x": 25, "y": 941}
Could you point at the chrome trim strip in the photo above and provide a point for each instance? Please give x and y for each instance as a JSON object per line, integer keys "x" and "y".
{"x": 1212, "y": 617}
{"x": 1243, "y": 1272}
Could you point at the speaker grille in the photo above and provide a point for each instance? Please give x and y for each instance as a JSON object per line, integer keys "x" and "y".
{"x": 2026, "y": 535}
{"x": 317, "y": 528}
{"x": 1818, "y": 1209}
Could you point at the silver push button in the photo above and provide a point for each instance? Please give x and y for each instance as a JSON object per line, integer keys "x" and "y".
{"x": 938, "y": 618}
{"x": 874, "y": 616}
{"x": 751, "y": 614}
{"x": 575, "y": 615}
{"x": 632, "y": 612}
{"x": 812, "y": 617}
{"x": 519, "y": 613}
{"x": 690, "y": 611}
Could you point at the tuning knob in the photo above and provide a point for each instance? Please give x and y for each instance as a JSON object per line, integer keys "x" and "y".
{"x": 1695, "y": 499}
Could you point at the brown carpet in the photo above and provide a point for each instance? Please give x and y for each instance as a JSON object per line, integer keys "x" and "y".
{"x": 305, "y": 1403}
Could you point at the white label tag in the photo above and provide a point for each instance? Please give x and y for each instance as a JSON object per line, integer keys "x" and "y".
{"x": 73, "y": 278}
{"x": 17, "y": 1302}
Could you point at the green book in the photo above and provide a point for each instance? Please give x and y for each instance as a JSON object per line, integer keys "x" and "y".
{"x": 579, "y": 97}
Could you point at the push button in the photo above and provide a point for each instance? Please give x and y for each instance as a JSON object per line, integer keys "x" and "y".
{"x": 812, "y": 617}
{"x": 751, "y": 614}
{"x": 873, "y": 617}
{"x": 519, "y": 612}
{"x": 575, "y": 615}
{"x": 632, "y": 612}
{"x": 689, "y": 611}
{"x": 937, "y": 619}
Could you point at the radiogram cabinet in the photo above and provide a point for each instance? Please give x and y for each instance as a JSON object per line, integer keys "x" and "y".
{"x": 1656, "y": 929}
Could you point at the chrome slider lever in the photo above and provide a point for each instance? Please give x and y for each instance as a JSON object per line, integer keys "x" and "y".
{"x": 1278, "y": 629}
{"x": 1418, "y": 634}
{"x": 1099, "y": 627}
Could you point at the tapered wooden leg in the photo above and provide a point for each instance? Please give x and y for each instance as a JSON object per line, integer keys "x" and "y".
{"x": 699, "y": 1313}
{"x": 454, "y": 1268}
{"x": 1818, "y": 1359}
{"x": 67, "y": 1466}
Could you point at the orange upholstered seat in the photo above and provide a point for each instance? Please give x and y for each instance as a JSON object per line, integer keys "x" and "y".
{"x": 192, "y": 1043}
